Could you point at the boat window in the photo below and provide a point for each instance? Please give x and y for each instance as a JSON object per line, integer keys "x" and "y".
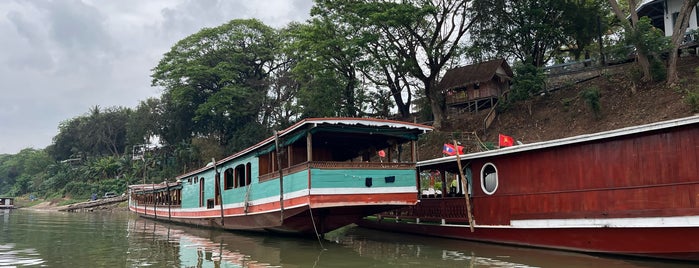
{"x": 248, "y": 173}
{"x": 201, "y": 193}
{"x": 240, "y": 175}
{"x": 228, "y": 179}
{"x": 489, "y": 178}
{"x": 431, "y": 183}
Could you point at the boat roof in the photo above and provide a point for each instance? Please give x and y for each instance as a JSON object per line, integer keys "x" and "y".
{"x": 566, "y": 141}
{"x": 155, "y": 187}
{"x": 379, "y": 124}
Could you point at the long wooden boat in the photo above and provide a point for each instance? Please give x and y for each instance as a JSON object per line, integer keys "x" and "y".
{"x": 330, "y": 169}
{"x": 631, "y": 191}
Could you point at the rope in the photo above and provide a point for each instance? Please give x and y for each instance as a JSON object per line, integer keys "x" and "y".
{"x": 315, "y": 229}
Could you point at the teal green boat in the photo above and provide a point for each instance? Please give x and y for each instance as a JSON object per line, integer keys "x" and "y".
{"x": 313, "y": 177}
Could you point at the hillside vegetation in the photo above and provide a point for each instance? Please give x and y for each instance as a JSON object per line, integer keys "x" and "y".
{"x": 567, "y": 112}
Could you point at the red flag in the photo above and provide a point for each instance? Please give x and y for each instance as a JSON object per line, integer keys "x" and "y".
{"x": 506, "y": 141}
{"x": 449, "y": 149}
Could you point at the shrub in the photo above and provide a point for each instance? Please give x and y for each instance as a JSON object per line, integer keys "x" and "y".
{"x": 592, "y": 97}
{"x": 692, "y": 99}
{"x": 528, "y": 81}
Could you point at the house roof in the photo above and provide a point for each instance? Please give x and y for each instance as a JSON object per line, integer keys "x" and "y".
{"x": 475, "y": 73}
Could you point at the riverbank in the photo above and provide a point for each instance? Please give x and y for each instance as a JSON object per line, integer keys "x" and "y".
{"x": 55, "y": 206}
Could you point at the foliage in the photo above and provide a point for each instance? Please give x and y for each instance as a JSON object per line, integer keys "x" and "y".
{"x": 529, "y": 80}
{"x": 535, "y": 31}
{"x": 98, "y": 133}
{"x": 416, "y": 38}
{"x": 692, "y": 99}
{"x": 216, "y": 81}
{"x": 592, "y": 97}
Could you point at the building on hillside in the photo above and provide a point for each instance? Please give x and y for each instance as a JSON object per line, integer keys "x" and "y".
{"x": 663, "y": 14}
{"x": 476, "y": 87}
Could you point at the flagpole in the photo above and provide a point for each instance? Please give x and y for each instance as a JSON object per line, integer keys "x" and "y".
{"x": 464, "y": 185}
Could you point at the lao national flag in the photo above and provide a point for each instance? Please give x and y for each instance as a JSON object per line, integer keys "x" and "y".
{"x": 506, "y": 141}
{"x": 449, "y": 149}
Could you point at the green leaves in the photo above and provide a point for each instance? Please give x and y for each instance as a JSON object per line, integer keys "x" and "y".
{"x": 216, "y": 79}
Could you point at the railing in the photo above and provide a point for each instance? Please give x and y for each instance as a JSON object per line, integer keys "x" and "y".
{"x": 451, "y": 209}
{"x": 336, "y": 165}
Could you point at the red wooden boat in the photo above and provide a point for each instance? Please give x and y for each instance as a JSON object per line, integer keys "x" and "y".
{"x": 631, "y": 191}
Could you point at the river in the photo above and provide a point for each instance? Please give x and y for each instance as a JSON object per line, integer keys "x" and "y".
{"x": 120, "y": 239}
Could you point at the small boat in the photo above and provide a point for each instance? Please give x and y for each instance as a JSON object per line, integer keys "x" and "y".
{"x": 7, "y": 203}
{"x": 313, "y": 177}
{"x": 631, "y": 191}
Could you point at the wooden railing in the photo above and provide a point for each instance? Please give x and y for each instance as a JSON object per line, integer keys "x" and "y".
{"x": 336, "y": 165}
{"x": 451, "y": 209}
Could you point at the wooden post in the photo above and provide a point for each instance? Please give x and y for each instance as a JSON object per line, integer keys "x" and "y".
{"x": 309, "y": 147}
{"x": 169, "y": 200}
{"x": 281, "y": 177}
{"x": 217, "y": 184}
{"x": 155, "y": 201}
{"x": 464, "y": 185}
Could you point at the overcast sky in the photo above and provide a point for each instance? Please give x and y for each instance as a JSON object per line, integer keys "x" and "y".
{"x": 60, "y": 58}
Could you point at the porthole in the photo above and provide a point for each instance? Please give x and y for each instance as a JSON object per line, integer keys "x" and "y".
{"x": 489, "y": 178}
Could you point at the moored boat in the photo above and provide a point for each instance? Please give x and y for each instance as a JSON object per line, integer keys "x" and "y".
{"x": 333, "y": 171}
{"x": 631, "y": 191}
{"x": 7, "y": 203}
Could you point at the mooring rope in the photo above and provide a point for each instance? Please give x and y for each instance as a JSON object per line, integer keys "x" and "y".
{"x": 314, "y": 227}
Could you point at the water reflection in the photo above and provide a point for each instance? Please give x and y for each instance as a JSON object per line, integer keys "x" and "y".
{"x": 11, "y": 256}
{"x": 192, "y": 247}
{"x": 349, "y": 247}
{"x": 51, "y": 239}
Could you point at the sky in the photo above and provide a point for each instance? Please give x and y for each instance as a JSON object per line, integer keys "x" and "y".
{"x": 60, "y": 58}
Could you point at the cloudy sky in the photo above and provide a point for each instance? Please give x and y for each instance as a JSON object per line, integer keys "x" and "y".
{"x": 59, "y": 58}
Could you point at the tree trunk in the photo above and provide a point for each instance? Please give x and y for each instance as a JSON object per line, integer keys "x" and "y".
{"x": 641, "y": 57}
{"x": 677, "y": 36}
{"x": 435, "y": 98}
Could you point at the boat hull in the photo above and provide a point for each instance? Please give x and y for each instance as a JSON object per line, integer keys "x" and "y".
{"x": 631, "y": 191}
{"x": 653, "y": 242}
{"x": 314, "y": 215}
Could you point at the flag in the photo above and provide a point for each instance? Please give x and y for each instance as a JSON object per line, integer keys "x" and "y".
{"x": 449, "y": 149}
{"x": 506, "y": 141}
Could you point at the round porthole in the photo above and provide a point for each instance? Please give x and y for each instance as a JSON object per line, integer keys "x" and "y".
{"x": 489, "y": 178}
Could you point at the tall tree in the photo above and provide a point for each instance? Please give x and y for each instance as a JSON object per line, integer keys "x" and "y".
{"x": 422, "y": 36}
{"x": 215, "y": 82}
{"x": 327, "y": 54}
{"x": 98, "y": 133}
{"x": 632, "y": 29}
{"x": 536, "y": 31}
{"x": 678, "y": 32}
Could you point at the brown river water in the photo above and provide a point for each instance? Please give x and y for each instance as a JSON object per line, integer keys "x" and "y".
{"x": 121, "y": 239}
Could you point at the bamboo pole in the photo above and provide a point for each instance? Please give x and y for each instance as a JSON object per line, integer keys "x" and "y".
{"x": 281, "y": 178}
{"x": 217, "y": 184}
{"x": 464, "y": 185}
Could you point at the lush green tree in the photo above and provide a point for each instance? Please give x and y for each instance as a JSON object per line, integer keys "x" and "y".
{"x": 420, "y": 36}
{"x": 534, "y": 31}
{"x": 99, "y": 133}
{"x": 584, "y": 23}
{"x": 23, "y": 172}
{"x": 144, "y": 122}
{"x": 648, "y": 41}
{"x": 326, "y": 53}
{"x": 215, "y": 82}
